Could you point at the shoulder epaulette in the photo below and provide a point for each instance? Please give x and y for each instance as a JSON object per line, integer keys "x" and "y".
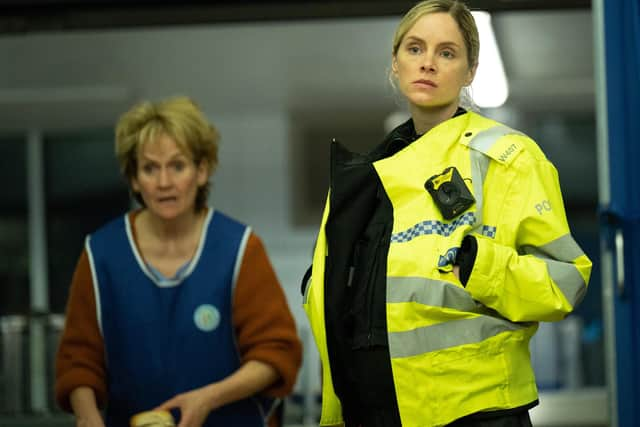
{"x": 491, "y": 143}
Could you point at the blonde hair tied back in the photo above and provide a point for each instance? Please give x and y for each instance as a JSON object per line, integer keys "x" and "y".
{"x": 466, "y": 23}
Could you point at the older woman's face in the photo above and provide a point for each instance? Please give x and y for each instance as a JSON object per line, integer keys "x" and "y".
{"x": 167, "y": 178}
{"x": 431, "y": 62}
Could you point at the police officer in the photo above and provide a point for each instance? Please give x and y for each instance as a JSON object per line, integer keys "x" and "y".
{"x": 439, "y": 252}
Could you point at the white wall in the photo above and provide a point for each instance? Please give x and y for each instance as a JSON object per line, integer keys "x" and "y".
{"x": 252, "y": 184}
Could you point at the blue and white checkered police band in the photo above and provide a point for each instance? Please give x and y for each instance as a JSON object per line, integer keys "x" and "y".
{"x": 449, "y": 257}
{"x": 489, "y": 231}
{"x": 433, "y": 226}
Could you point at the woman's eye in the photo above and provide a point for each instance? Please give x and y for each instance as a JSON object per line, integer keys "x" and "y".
{"x": 148, "y": 168}
{"x": 413, "y": 49}
{"x": 179, "y": 166}
{"x": 447, "y": 54}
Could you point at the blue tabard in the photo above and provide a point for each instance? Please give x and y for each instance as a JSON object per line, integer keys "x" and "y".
{"x": 165, "y": 339}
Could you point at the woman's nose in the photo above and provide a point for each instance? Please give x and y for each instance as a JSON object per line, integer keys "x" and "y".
{"x": 428, "y": 63}
{"x": 164, "y": 178}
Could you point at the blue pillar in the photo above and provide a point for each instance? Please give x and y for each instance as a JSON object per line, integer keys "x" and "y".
{"x": 620, "y": 196}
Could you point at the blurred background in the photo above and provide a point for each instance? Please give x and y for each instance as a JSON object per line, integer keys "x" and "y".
{"x": 279, "y": 80}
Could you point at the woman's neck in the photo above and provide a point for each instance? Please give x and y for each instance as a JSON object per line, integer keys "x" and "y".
{"x": 426, "y": 118}
{"x": 174, "y": 230}
{"x": 168, "y": 245}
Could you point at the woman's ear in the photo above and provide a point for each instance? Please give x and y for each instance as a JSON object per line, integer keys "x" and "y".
{"x": 394, "y": 64}
{"x": 471, "y": 74}
{"x": 203, "y": 172}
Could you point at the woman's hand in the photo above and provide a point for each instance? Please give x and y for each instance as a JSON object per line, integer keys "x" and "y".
{"x": 194, "y": 405}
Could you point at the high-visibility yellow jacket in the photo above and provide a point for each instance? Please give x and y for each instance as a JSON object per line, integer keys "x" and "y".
{"x": 454, "y": 350}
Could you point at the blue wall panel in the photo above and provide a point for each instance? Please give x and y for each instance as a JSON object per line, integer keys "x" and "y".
{"x": 622, "y": 57}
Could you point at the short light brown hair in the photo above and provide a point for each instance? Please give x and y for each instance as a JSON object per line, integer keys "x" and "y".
{"x": 179, "y": 118}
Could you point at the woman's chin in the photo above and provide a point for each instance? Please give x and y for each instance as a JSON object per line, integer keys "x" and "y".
{"x": 430, "y": 104}
{"x": 168, "y": 213}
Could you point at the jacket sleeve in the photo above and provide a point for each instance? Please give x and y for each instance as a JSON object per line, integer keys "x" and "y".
{"x": 265, "y": 328}
{"x": 80, "y": 356}
{"x": 545, "y": 275}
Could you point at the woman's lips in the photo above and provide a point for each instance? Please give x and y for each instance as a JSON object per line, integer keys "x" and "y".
{"x": 423, "y": 82}
{"x": 167, "y": 199}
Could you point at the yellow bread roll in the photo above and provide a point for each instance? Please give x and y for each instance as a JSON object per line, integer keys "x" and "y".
{"x": 152, "y": 419}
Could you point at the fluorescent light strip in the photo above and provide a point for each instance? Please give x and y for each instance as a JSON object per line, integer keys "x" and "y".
{"x": 489, "y": 88}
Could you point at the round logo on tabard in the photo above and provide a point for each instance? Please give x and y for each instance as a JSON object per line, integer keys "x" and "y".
{"x": 206, "y": 317}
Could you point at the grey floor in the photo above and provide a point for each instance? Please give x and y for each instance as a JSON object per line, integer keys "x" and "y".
{"x": 586, "y": 407}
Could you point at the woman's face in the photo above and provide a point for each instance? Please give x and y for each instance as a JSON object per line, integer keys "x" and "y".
{"x": 167, "y": 178}
{"x": 431, "y": 62}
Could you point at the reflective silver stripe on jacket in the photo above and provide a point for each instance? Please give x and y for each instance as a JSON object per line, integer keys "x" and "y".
{"x": 437, "y": 293}
{"x": 559, "y": 255}
{"x": 484, "y": 140}
{"x": 480, "y": 145}
{"x": 448, "y": 334}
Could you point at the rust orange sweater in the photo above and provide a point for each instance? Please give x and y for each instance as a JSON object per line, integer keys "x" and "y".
{"x": 264, "y": 332}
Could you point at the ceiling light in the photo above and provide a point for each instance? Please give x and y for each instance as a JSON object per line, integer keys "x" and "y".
{"x": 489, "y": 87}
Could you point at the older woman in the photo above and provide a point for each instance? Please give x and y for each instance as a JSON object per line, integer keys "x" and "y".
{"x": 166, "y": 308}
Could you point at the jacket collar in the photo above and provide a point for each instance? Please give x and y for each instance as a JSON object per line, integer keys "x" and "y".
{"x": 402, "y": 136}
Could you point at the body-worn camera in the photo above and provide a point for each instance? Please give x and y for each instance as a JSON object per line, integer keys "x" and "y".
{"x": 449, "y": 192}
